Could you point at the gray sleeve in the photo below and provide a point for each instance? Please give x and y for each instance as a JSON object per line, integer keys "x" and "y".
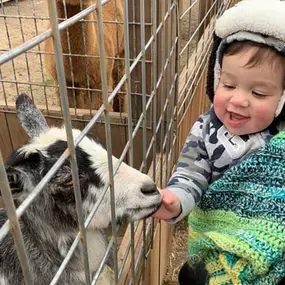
{"x": 193, "y": 170}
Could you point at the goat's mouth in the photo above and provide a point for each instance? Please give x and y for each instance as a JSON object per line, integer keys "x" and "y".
{"x": 142, "y": 212}
{"x": 152, "y": 209}
{"x": 138, "y": 213}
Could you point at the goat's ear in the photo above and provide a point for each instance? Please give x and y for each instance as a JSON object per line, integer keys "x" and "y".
{"x": 15, "y": 179}
{"x": 30, "y": 117}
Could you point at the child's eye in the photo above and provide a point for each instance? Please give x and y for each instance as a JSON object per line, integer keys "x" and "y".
{"x": 228, "y": 86}
{"x": 259, "y": 95}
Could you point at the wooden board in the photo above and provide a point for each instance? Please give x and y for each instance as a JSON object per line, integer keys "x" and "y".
{"x": 12, "y": 134}
{"x": 5, "y": 141}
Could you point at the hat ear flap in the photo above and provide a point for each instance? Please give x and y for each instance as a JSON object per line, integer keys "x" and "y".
{"x": 280, "y": 105}
{"x": 211, "y": 68}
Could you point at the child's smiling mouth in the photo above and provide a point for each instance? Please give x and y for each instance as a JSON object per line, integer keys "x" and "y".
{"x": 236, "y": 120}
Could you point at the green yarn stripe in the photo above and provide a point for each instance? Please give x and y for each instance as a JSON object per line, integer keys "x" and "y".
{"x": 239, "y": 227}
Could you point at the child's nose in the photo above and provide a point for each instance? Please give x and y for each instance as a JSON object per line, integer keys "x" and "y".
{"x": 240, "y": 98}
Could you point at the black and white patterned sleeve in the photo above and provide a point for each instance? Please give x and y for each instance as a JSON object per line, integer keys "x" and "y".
{"x": 193, "y": 170}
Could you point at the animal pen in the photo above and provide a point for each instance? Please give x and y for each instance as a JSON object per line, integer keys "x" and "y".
{"x": 150, "y": 60}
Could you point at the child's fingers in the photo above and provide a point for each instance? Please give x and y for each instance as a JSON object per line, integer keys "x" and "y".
{"x": 169, "y": 198}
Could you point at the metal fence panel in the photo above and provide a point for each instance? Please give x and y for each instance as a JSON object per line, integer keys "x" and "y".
{"x": 165, "y": 47}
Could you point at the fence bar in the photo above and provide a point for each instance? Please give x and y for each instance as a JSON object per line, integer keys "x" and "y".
{"x": 176, "y": 91}
{"x": 128, "y": 82}
{"x": 27, "y": 202}
{"x": 66, "y": 259}
{"x": 136, "y": 60}
{"x": 143, "y": 65}
{"x": 168, "y": 90}
{"x": 103, "y": 70}
{"x": 48, "y": 176}
{"x": 9, "y": 43}
{"x": 68, "y": 127}
{"x": 162, "y": 97}
{"x": 140, "y": 255}
{"x": 128, "y": 248}
{"x": 189, "y": 9}
{"x": 163, "y": 127}
{"x": 196, "y": 72}
{"x": 130, "y": 137}
{"x": 144, "y": 144}
{"x": 70, "y": 60}
{"x": 77, "y": 238}
{"x": 174, "y": 133}
{"x": 39, "y": 52}
{"x": 42, "y": 37}
{"x": 163, "y": 67}
{"x": 101, "y": 266}
{"x": 13, "y": 223}
{"x": 154, "y": 72}
{"x": 21, "y": 209}
{"x": 195, "y": 79}
{"x": 198, "y": 27}
{"x": 26, "y": 57}
{"x": 85, "y": 61}
{"x": 202, "y": 55}
{"x": 158, "y": 124}
{"x": 155, "y": 99}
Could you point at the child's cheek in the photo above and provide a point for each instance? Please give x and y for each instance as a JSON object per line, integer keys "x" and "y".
{"x": 219, "y": 106}
{"x": 217, "y": 101}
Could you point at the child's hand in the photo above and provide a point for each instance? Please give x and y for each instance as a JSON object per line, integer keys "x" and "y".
{"x": 170, "y": 207}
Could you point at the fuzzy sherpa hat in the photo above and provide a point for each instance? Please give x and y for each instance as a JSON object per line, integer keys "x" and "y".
{"x": 260, "y": 21}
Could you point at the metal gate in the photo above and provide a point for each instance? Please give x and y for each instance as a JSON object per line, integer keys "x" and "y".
{"x": 160, "y": 74}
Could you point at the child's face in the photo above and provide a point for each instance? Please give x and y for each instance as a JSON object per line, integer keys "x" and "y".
{"x": 246, "y": 97}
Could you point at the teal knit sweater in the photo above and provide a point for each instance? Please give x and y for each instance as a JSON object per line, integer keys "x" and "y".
{"x": 239, "y": 227}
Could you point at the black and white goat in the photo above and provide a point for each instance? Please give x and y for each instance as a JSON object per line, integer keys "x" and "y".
{"x": 50, "y": 225}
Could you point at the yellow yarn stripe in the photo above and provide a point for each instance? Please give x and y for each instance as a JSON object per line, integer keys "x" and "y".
{"x": 218, "y": 280}
{"x": 234, "y": 271}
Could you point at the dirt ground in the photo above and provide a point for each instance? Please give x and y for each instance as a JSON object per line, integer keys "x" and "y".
{"x": 26, "y": 73}
{"x": 178, "y": 255}
{"x": 27, "y": 70}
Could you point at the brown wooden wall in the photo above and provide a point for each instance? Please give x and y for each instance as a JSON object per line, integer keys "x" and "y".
{"x": 12, "y": 135}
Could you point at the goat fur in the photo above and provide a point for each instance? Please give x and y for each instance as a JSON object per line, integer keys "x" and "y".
{"x": 49, "y": 225}
{"x": 82, "y": 66}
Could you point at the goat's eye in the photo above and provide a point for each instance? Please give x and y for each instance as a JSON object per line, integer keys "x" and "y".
{"x": 13, "y": 179}
{"x": 15, "y": 182}
{"x": 65, "y": 180}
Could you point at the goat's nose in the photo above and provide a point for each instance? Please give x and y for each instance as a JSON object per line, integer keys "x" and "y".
{"x": 149, "y": 189}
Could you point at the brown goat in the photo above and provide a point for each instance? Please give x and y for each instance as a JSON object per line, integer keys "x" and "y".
{"x": 89, "y": 67}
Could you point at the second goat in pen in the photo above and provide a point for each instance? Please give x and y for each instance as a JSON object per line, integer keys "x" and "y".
{"x": 81, "y": 40}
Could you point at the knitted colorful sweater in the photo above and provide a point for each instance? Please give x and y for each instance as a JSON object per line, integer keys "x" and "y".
{"x": 239, "y": 227}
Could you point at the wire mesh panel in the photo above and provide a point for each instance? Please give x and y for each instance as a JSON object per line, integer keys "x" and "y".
{"x": 109, "y": 69}
{"x": 196, "y": 25}
{"x": 128, "y": 72}
{"x": 197, "y": 21}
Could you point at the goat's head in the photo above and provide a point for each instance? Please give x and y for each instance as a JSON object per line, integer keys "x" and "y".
{"x": 136, "y": 195}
